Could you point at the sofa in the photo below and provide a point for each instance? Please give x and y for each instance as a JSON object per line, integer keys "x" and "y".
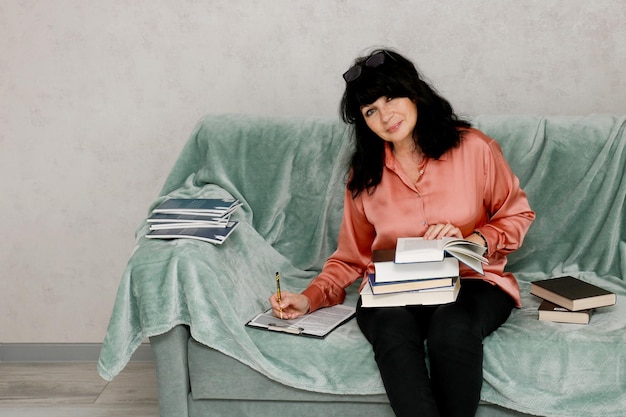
{"x": 192, "y": 299}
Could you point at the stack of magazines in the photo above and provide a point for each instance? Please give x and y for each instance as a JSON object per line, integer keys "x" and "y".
{"x": 206, "y": 219}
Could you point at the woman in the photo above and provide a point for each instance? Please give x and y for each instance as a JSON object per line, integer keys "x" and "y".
{"x": 418, "y": 170}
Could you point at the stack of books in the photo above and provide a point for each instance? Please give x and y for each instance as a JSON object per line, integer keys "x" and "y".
{"x": 205, "y": 219}
{"x": 569, "y": 300}
{"x": 418, "y": 272}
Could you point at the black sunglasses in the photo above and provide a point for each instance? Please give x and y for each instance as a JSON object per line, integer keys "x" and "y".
{"x": 373, "y": 61}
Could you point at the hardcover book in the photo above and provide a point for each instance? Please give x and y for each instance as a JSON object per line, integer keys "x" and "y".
{"x": 572, "y": 293}
{"x": 433, "y": 296}
{"x": 417, "y": 249}
{"x": 388, "y": 271}
{"x": 551, "y": 312}
{"x": 409, "y": 285}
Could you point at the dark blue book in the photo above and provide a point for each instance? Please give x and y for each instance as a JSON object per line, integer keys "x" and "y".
{"x": 409, "y": 285}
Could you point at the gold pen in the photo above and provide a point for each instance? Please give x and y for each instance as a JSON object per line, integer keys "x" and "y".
{"x": 278, "y": 294}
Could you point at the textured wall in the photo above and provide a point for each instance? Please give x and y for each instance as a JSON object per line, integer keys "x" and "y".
{"x": 98, "y": 97}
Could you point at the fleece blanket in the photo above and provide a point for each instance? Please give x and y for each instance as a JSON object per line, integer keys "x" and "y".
{"x": 290, "y": 175}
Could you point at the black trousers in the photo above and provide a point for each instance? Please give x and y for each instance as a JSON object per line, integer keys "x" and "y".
{"x": 454, "y": 333}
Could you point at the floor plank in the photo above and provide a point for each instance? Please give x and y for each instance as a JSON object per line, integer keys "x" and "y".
{"x": 50, "y": 383}
{"x": 136, "y": 384}
{"x": 144, "y": 410}
{"x": 76, "y": 390}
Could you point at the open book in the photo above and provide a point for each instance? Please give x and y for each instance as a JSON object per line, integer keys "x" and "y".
{"x": 316, "y": 324}
{"x": 389, "y": 271}
{"x": 417, "y": 249}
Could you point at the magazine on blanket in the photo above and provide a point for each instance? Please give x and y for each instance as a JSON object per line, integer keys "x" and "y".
{"x": 316, "y": 324}
{"x": 217, "y": 236}
{"x": 198, "y": 206}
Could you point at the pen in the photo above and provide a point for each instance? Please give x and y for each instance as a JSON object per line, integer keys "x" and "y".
{"x": 278, "y": 294}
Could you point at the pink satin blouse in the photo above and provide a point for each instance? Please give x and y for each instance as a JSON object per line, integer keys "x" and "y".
{"x": 471, "y": 186}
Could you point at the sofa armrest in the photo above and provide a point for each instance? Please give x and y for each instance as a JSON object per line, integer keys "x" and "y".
{"x": 170, "y": 353}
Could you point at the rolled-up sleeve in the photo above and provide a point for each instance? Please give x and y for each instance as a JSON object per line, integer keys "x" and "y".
{"x": 510, "y": 215}
{"x": 350, "y": 260}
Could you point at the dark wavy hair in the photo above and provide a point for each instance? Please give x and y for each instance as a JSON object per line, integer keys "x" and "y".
{"x": 437, "y": 130}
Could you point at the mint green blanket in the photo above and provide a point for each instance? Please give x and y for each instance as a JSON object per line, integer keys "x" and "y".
{"x": 290, "y": 173}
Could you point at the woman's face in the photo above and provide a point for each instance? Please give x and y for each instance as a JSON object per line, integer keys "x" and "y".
{"x": 392, "y": 119}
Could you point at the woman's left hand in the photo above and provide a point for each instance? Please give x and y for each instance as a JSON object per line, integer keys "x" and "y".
{"x": 438, "y": 231}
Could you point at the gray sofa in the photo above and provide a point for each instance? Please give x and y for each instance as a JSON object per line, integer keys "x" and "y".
{"x": 192, "y": 299}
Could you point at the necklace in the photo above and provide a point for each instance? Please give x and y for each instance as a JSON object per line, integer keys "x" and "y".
{"x": 420, "y": 169}
{"x": 413, "y": 165}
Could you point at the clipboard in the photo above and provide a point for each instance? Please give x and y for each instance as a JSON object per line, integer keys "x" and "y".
{"x": 318, "y": 324}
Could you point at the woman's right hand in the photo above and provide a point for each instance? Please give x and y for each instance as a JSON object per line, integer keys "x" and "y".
{"x": 441, "y": 230}
{"x": 293, "y": 305}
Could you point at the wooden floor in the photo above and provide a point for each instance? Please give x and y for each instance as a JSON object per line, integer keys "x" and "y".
{"x": 76, "y": 390}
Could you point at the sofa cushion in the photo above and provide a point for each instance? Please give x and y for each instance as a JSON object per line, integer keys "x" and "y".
{"x": 214, "y": 375}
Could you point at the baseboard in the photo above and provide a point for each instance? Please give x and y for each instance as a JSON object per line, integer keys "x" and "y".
{"x": 63, "y": 352}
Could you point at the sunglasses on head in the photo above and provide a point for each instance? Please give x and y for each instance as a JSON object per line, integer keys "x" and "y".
{"x": 373, "y": 61}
